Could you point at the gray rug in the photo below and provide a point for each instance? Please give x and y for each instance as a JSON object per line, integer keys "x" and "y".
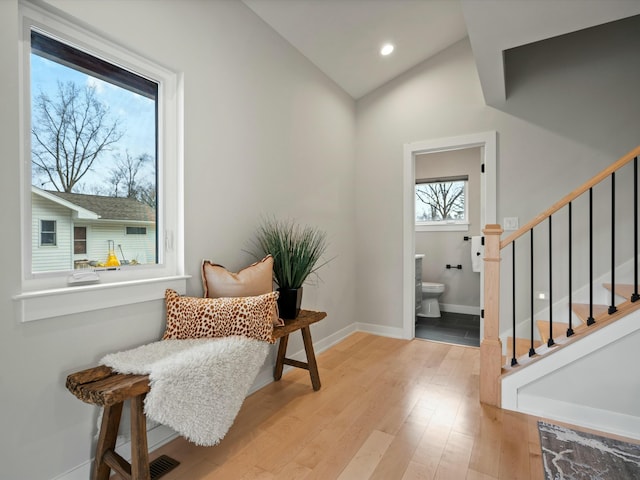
{"x": 571, "y": 455}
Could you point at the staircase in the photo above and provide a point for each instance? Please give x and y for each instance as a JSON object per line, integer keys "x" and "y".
{"x": 582, "y": 311}
{"x": 535, "y": 341}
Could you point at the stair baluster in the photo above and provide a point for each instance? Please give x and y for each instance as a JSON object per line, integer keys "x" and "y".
{"x": 590, "y": 320}
{"x": 514, "y": 362}
{"x": 612, "y": 307}
{"x": 634, "y": 296}
{"x": 570, "y": 329}
{"x": 532, "y": 350}
{"x": 550, "y": 342}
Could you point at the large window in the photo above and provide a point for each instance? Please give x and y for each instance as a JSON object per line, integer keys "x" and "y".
{"x": 100, "y": 129}
{"x": 93, "y": 144}
{"x": 441, "y": 203}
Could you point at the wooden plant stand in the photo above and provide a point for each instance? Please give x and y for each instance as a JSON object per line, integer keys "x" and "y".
{"x": 302, "y": 322}
{"x": 101, "y": 386}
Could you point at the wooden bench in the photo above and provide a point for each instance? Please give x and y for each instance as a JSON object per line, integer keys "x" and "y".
{"x": 101, "y": 386}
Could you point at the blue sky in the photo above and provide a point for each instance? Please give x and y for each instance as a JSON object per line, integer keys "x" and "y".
{"x": 135, "y": 113}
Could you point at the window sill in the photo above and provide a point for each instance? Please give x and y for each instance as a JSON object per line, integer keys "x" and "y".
{"x": 445, "y": 227}
{"x": 41, "y": 304}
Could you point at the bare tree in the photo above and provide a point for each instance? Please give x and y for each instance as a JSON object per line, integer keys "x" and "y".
{"x": 147, "y": 194}
{"x": 70, "y": 132}
{"x": 445, "y": 200}
{"x": 128, "y": 178}
{"x": 124, "y": 174}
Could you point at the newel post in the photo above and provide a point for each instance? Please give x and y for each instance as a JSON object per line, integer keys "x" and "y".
{"x": 491, "y": 346}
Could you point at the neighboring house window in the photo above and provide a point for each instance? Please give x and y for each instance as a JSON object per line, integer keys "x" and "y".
{"x": 48, "y": 233}
{"x": 136, "y": 230}
{"x": 79, "y": 240}
{"x": 441, "y": 203}
{"x": 100, "y": 123}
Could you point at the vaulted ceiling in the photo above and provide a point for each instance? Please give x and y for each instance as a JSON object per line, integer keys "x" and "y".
{"x": 343, "y": 37}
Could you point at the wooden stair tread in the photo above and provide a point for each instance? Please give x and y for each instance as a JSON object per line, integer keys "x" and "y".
{"x": 559, "y": 329}
{"x": 582, "y": 311}
{"x": 622, "y": 290}
{"x": 522, "y": 347}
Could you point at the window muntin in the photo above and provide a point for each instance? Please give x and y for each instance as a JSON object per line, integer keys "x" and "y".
{"x": 81, "y": 149}
{"x": 441, "y": 201}
{"x": 48, "y": 233}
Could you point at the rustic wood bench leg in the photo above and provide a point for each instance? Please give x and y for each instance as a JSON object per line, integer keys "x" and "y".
{"x": 107, "y": 440}
{"x": 282, "y": 351}
{"x": 139, "y": 449}
{"x": 311, "y": 358}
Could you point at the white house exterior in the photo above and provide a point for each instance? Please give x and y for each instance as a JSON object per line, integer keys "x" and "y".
{"x": 72, "y": 230}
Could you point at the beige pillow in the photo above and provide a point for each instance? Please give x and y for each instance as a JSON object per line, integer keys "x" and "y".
{"x": 191, "y": 317}
{"x": 256, "y": 279}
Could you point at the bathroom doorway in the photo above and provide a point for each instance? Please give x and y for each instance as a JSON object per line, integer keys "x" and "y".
{"x": 447, "y": 229}
{"x": 421, "y": 158}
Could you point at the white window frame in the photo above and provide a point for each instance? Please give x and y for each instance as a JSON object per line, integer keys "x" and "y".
{"x": 447, "y": 225}
{"x": 52, "y": 294}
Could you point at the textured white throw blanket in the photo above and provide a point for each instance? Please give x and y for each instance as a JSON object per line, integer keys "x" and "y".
{"x": 197, "y": 386}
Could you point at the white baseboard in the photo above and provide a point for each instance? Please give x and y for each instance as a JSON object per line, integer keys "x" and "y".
{"x": 466, "y": 309}
{"x": 382, "y": 330}
{"x": 580, "y": 415}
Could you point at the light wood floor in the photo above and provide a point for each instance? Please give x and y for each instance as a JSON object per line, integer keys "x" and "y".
{"x": 388, "y": 409}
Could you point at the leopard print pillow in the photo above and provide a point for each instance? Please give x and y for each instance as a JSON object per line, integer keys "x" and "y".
{"x": 191, "y": 317}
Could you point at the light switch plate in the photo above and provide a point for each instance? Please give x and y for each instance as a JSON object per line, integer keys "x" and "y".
{"x": 510, "y": 223}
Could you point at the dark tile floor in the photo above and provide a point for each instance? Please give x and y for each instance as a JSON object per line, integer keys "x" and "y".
{"x": 456, "y": 328}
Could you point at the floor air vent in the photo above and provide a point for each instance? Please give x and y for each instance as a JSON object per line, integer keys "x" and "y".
{"x": 161, "y": 466}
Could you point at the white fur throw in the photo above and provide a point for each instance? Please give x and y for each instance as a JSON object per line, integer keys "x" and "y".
{"x": 197, "y": 386}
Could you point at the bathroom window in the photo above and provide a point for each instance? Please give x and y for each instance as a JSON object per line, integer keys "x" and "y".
{"x": 441, "y": 204}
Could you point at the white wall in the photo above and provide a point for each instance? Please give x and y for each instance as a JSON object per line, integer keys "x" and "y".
{"x": 265, "y": 133}
{"x": 536, "y": 164}
{"x": 462, "y": 287}
{"x": 565, "y": 384}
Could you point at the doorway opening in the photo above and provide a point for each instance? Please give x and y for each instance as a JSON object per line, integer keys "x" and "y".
{"x": 447, "y": 219}
{"x": 485, "y": 144}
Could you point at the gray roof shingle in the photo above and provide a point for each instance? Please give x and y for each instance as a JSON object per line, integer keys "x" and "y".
{"x": 111, "y": 208}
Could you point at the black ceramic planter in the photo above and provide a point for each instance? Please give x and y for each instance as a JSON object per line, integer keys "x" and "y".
{"x": 289, "y": 302}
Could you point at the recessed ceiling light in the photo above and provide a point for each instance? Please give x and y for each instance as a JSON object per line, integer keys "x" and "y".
{"x": 386, "y": 49}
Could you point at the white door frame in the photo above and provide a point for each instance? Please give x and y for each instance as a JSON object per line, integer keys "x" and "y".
{"x": 487, "y": 142}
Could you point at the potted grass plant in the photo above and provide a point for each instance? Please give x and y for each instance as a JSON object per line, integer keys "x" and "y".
{"x": 297, "y": 252}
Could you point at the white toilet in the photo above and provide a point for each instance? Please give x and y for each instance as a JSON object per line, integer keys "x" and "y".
{"x": 430, "y": 295}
